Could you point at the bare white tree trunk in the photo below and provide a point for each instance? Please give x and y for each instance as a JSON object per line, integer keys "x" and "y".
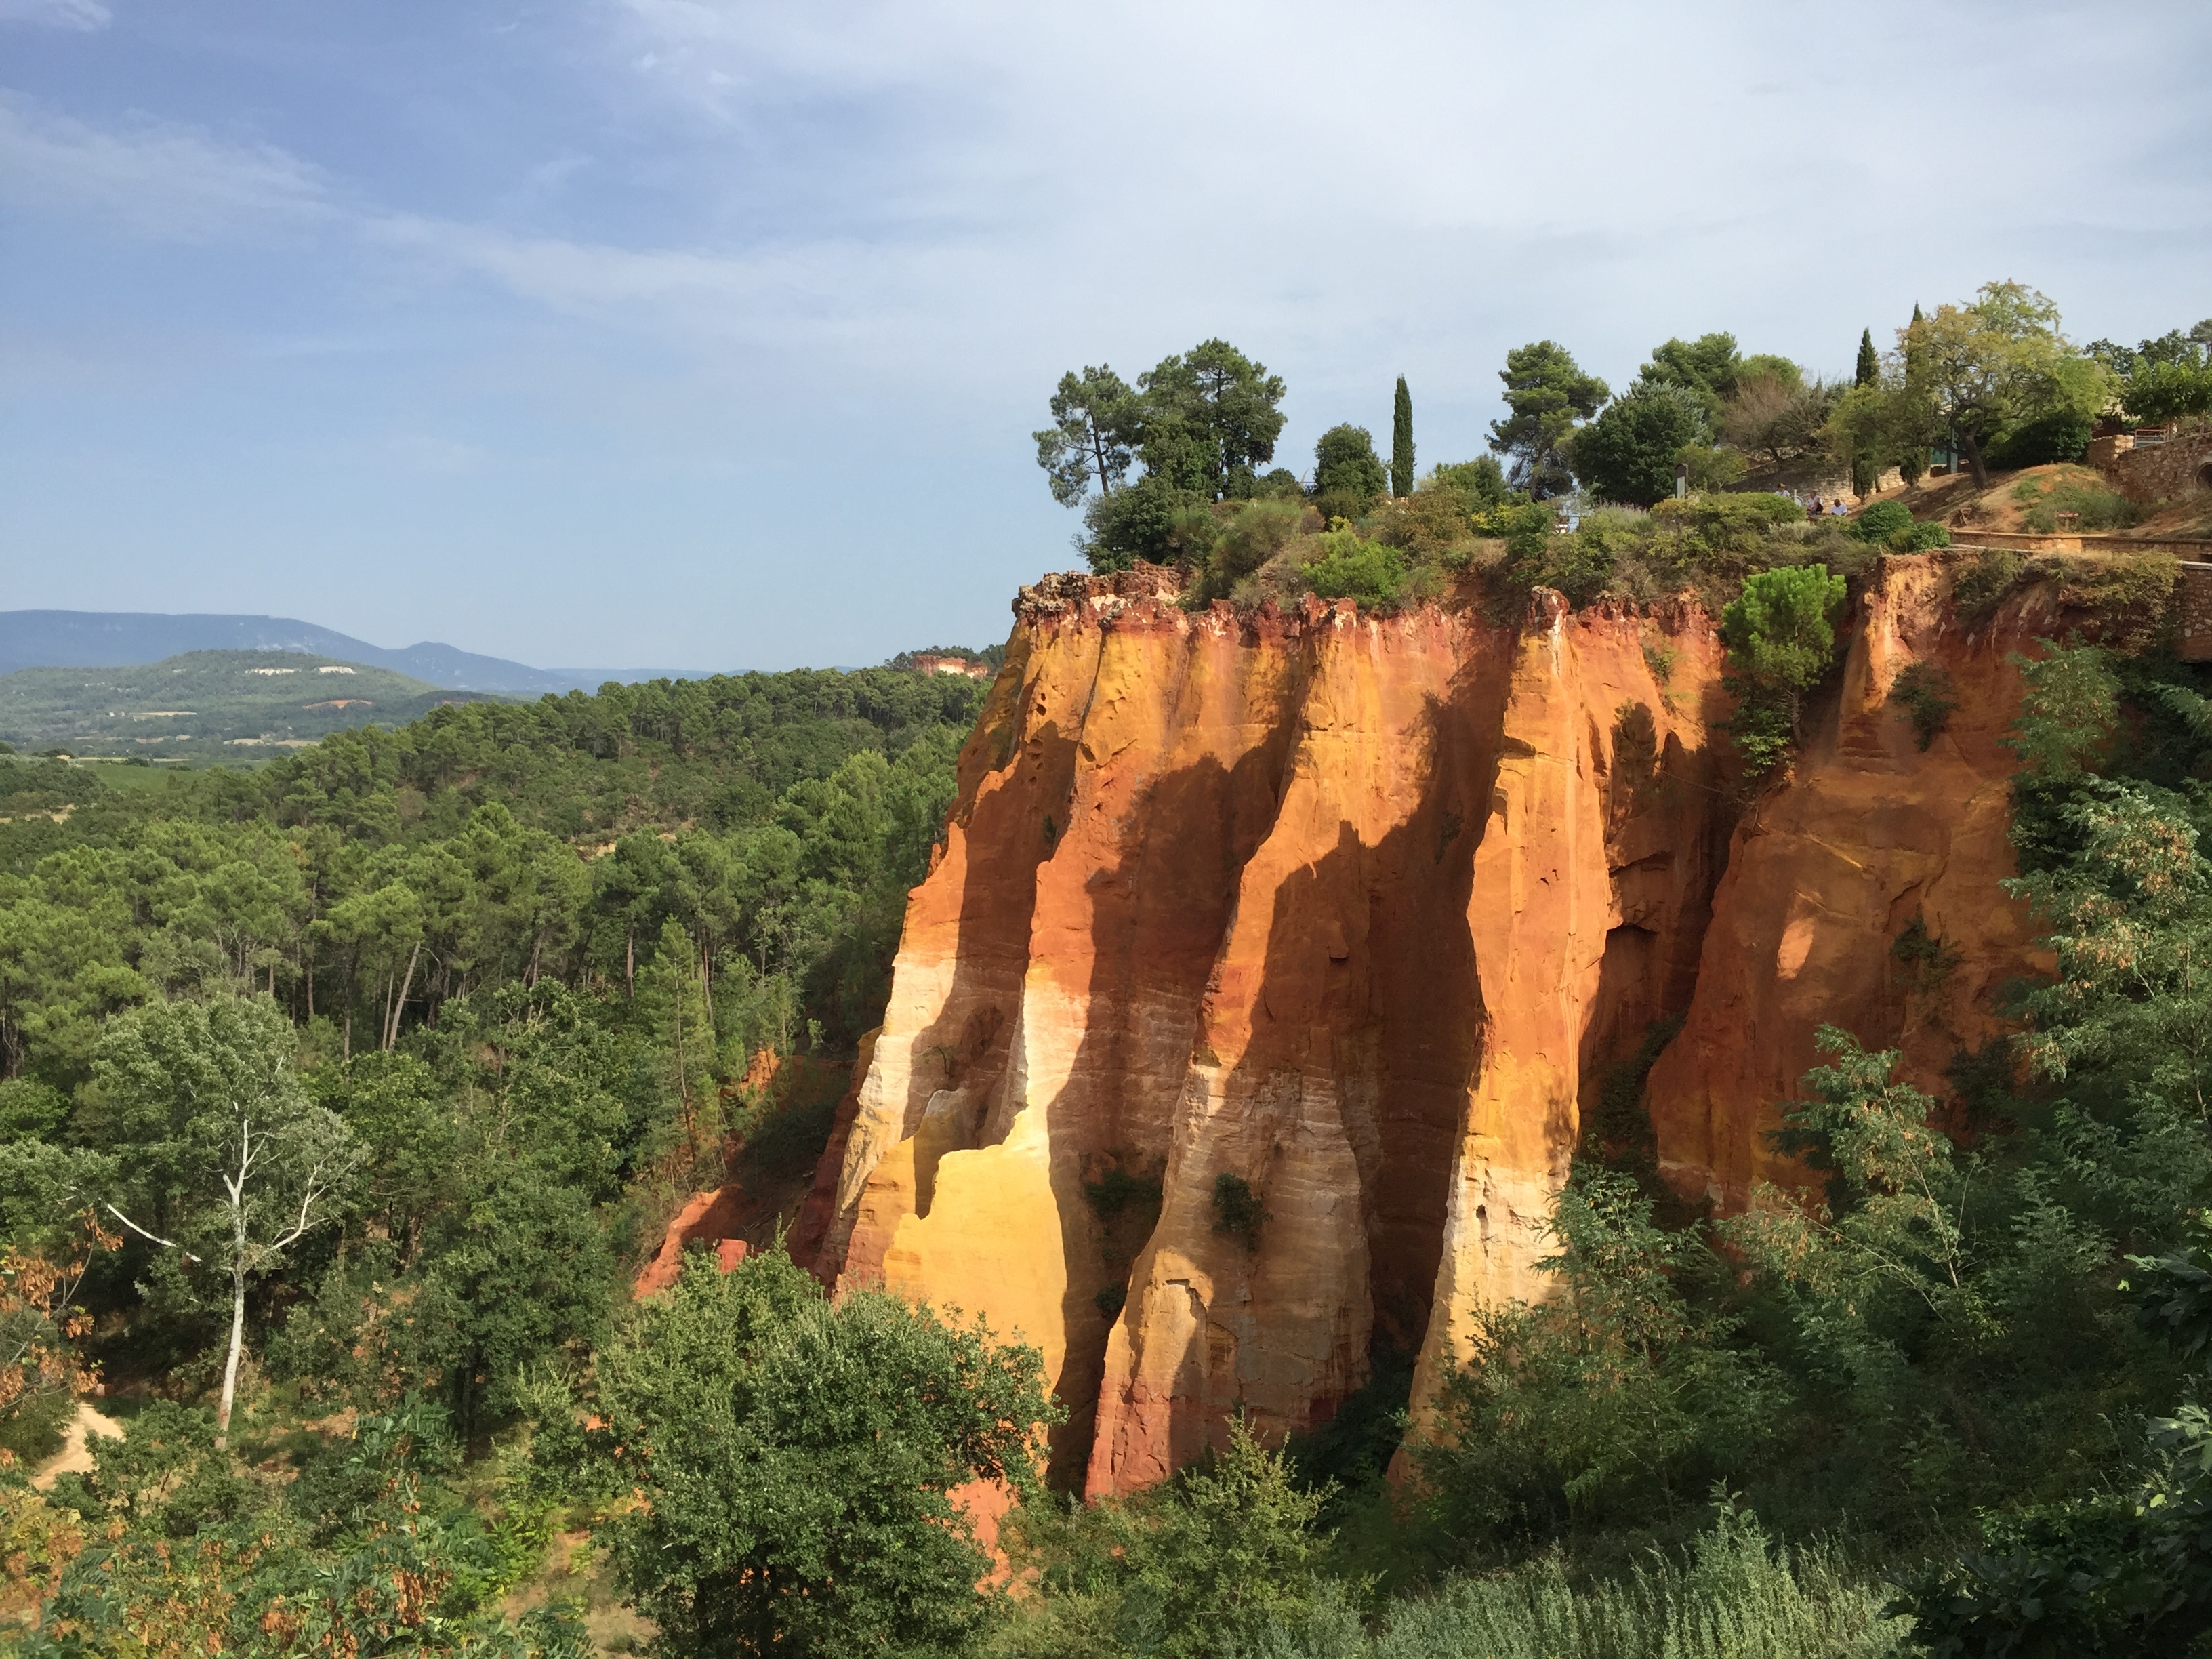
{"x": 237, "y": 1333}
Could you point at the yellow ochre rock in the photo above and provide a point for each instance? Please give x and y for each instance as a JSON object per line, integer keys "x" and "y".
{"x": 1245, "y": 1029}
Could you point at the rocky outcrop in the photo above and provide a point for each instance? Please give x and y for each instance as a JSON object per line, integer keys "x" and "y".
{"x": 1243, "y": 1030}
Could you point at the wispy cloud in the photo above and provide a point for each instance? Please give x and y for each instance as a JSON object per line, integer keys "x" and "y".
{"x": 152, "y": 178}
{"x": 83, "y": 14}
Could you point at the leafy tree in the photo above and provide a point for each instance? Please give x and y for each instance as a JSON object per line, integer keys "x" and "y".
{"x": 1999, "y": 365}
{"x": 1348, "y": 475}
{"x": 1629, "y": 452}
{"x": 1208, "y": 419}
{"x": 1868, "y": 371}
{"x": 1616, "y": 1393}
{"x": 1137, "y": 522}
{"x": 796, "y": 1458}
{"x": 213, "y": 1131}
{"x": 1401, "y": 440}
{"x": 1781, "y": 637}
{"x": 1773, "y": 413}
{"x": 1547, "y": 395}
{"x": 1228, "y": 1550}
{"x": 1091, "y": 438}
{"x": 1351, "y": 566}
{"x": 1479, "y": 483}
{"x": 1708, "y": 366}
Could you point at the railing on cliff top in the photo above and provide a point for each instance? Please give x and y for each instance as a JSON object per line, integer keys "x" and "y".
{"x": 2192, "y": 593}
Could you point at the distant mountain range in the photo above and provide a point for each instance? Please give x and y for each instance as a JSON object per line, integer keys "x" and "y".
{"x": 121, "y": 639}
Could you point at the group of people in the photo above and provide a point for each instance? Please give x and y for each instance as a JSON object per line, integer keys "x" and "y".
{"x": 1835, "y": 509}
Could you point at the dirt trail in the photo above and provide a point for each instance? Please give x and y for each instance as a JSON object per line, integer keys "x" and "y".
{"x": 76, "y": 1457}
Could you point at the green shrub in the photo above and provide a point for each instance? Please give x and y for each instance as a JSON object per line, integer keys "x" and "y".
{"x": 1348, "y": 475}
{"x": 1923, "y": 691}
{"x": 2093, "y": 504}
{"x": 1259, "y": 530}
{"x": 1781, "y": 637}
{"x": 1732, "y": 1594}
{"x": 1138, "y": 521}
{"x": 1352, "y": 568}
{"x": 1237, "y": 1208}
{"x": 1977, "y": 590}
{"x": 1878, "y": 523}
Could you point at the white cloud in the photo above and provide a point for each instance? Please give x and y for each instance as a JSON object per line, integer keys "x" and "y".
{"x": 153, "y": 178}
{"x": 84, "y": 14}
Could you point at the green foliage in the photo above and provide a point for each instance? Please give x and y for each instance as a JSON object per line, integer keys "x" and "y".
{"x": 1117, "y": 1190}
{"x": 1923, "y": 691}
{"x": 1237, "y": 1208}
{"x": 1628, "y": 453}
{"x": 1708, "y": 366}
{"x": 1547, "y": 395}
{"x": 1781, "y": 637}
{"x": 1348, "y": 475}
{"x": 1094, "y": 427}
{"x": 1867, "y": 370}
{"x": 1351, "y": 566}
{"x": 1998, "y": 373}
{"x": 1136, "y": 523}
{"x": 1479, "y": 483}
{"x": 1977, "y": 590}
{"x": 1207, "y": 419}
{"x": 1401, "y": 440}
{"x": 1616, "y": 1395}
{"x": 1879, "y": 523}
{"x": 795, "y": 1457}
{"x": 1734, "y": 1592}
{"x": 1225, "y": 1555}
{"x": 2093, "y": 506}
{"x": 232, "y": 702}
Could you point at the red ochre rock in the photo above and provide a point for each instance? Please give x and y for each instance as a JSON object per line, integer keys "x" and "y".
{"x": 1357, "y": 910}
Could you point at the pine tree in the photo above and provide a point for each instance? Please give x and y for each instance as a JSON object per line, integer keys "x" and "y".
{"x": 1401, "y": 441}
{"x": 1870, "y": 366}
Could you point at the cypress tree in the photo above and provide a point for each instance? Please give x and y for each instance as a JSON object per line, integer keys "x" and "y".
{"x": 1870, "y": 366}
{"x": 1401, "y": 441}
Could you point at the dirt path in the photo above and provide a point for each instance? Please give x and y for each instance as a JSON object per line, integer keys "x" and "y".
{"x": 76, "y": 1457}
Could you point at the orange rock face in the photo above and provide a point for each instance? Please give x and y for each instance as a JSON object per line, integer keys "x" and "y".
{"x": 1243, "y": 1030}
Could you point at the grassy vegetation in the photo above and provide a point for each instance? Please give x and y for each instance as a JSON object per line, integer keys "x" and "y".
{"x": 206, "y": 705}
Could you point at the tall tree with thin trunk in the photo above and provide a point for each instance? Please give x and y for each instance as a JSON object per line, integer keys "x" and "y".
{"x": 223, "y": 1158}
{"x": 1401, "y": 441}
{"x": 1868, "y": 371}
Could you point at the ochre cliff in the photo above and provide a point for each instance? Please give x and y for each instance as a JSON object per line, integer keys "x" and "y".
{"x": 1354, "y": 911}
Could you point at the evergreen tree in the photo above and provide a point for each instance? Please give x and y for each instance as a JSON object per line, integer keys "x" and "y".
{"x": 1401, "y": 441}
{"x": 1870, "y": 366}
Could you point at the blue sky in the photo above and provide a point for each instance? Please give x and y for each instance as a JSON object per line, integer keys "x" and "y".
{"x": 662, "y": 331}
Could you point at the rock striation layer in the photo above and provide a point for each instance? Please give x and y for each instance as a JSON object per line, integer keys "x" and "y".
{"x": 1243, "y": 1031}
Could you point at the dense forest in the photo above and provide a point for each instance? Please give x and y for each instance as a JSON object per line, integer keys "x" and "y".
{"x": 344, "y": 1097}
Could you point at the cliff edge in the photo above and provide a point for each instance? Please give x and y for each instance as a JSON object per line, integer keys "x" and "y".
{"x": 1246, "y": 1023}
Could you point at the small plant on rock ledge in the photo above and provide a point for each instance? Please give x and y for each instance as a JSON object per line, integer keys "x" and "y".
{"x": 1237, "y": 1207}
{"x": 1923, "y": 691}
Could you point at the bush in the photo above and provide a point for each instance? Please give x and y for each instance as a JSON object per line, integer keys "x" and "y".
{"x": 1237, "y": 1209}
{"x": 1878, "y": 523}
{"x": 1977, "y": 590}
{"x": 1259, "y": 530}
{"x": 1923, "y": 691}
{"x": 1352, "y": 568}
{"x": 1348, "y": 475}
{"x": 2060, "y": 435}
{"x": 1627, "y": 454}
{"x": 1781, "y": 637}
{"x": 2094, "y": 506}
{"x": 1135, "y": 522}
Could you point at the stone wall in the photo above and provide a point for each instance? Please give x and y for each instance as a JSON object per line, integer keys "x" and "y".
{"x": 2158, "y": 472}
{"x": 2194, "y": 592}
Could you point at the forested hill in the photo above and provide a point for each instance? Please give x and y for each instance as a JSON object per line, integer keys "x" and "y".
{"x": 206, "y": 705}
{"x": 775, "y": 819}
